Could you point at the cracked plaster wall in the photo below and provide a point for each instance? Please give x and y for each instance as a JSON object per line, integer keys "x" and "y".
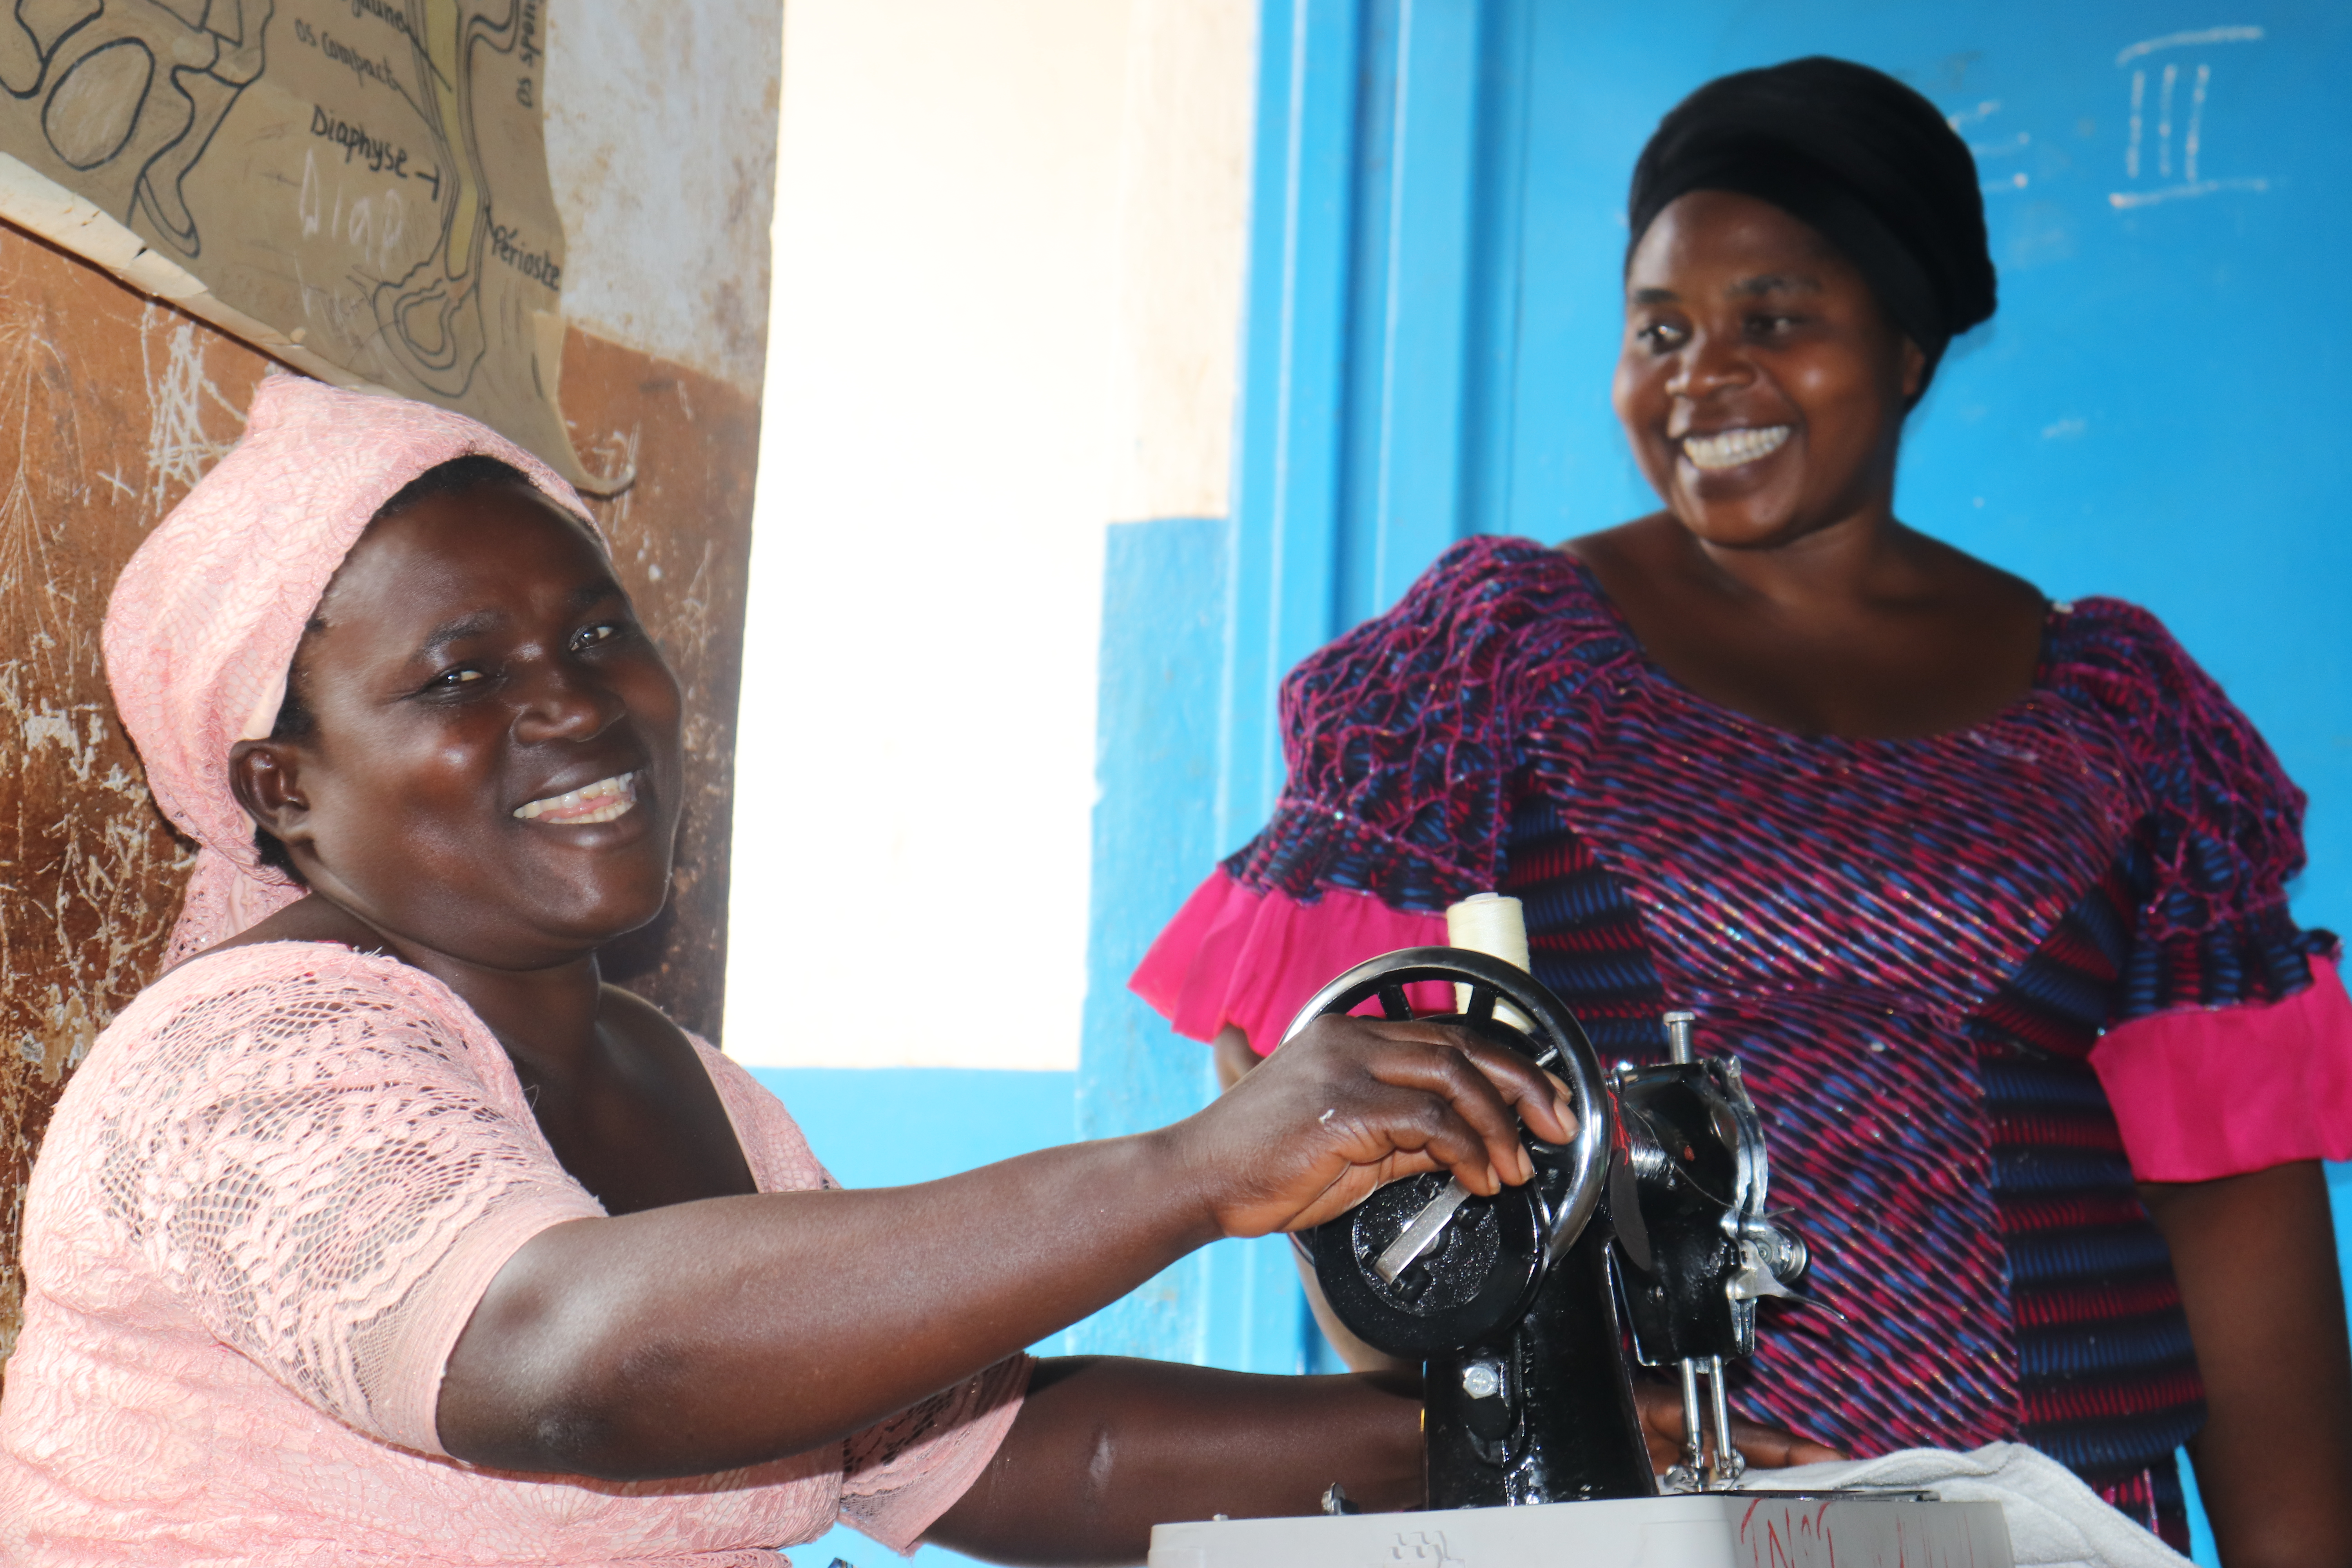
{"x": 661, "y": 147}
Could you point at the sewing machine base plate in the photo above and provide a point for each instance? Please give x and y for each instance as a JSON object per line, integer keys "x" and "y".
{"x": 1715, "y": 1529}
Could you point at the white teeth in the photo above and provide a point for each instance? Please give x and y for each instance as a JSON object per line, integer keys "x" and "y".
{"x": 600, "y": 802}
{"x": 1729, "y": 448}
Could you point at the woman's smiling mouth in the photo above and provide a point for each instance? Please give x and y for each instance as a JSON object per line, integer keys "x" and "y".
{"x": 1729, "y": 448}
{"x": 603, "y": 801}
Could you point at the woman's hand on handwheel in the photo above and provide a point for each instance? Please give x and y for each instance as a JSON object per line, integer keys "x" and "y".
{"x": 1351, "y": 1104}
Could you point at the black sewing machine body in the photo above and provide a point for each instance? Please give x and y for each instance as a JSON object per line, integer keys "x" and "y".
{"x": 1648, "y": 1231}
{"x": 1648, "y": 1228}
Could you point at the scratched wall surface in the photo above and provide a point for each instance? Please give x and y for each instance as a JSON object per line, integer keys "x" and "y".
{"x": 682, "y": 536}
{"x": 111, "y": 408}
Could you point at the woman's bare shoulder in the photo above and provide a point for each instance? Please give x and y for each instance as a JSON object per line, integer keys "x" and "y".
{"x": 639, "y": 1017}
{"x": 1973, "y": 581}
{"x": 1646, "y": 550}
{"x": 1641, "y": 536}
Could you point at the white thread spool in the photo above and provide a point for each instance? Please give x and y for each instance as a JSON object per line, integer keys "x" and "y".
{"x": 1496, "y": 926}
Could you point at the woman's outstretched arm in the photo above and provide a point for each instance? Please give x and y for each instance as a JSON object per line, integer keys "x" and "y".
{"x": 1105, "y": 1448}
{"x": 709, "y": 1335}
{"x": 2255, "y": 1256}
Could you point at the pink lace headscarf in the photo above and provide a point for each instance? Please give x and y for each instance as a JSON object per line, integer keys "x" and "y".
{"x": 203, "y": 626}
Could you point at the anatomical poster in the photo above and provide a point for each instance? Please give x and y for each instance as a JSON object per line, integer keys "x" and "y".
{"x": 365, "y": 179}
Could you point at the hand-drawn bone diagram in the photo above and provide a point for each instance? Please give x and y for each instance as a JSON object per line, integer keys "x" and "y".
{"x": 366, "y": 177}
{"x": 92, "y": 68}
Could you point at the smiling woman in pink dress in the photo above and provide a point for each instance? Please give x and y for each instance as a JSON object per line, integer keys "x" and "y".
{"x": 380, "y": 1228}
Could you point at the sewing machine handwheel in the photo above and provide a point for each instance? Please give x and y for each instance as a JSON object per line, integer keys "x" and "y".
{"x": 1479, "y": 1277}
{"x": 1483, "y": 1268}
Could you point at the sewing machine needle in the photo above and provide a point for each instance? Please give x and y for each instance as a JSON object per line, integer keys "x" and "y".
{"x": 1730, "y": 1464}
{"x": 1693, "y": 1427}
{"x": 1417, "y": 1236}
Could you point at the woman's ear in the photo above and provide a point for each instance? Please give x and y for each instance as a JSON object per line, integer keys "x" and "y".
{"x": 266, "y": 778}
{"x": 1915, "y": 371}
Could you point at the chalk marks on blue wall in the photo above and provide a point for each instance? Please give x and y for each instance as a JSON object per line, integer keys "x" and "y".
{"x": 2166, "y": 155}
{"x": 1994, "y": 148}
{"x": 2175, "y": 129}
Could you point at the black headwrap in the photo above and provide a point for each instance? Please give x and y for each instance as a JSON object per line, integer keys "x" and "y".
{"x": 1856, "y": 154}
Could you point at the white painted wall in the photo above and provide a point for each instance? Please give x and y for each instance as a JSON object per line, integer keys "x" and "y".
{"x": 1008, "y": 254}
{"x": 661, "y": 148}
{"x": 1183, "y": 227}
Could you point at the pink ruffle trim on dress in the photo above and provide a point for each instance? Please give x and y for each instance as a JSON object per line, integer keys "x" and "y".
{"x": 1233, "y": 956}
{"x": 2218, "y": 1092}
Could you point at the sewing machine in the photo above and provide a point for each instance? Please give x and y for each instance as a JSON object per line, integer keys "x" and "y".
{"x": 1646, "y": 1239}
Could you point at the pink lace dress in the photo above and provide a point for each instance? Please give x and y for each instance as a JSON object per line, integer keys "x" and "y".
{"x": 266, "y": 1208}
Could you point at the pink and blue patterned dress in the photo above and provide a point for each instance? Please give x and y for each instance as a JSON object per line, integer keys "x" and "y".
{"x": 1978, "y": 982}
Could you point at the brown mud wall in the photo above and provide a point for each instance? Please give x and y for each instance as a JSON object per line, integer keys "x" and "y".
{"x": 110, "y": 407}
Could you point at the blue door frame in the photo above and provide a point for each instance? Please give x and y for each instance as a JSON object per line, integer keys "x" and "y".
{"x": 1380, "y": 341}
{"x": 1377, "y": 356}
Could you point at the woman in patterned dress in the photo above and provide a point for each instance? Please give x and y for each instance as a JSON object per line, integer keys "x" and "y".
{"x": 1987, "y": 892}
